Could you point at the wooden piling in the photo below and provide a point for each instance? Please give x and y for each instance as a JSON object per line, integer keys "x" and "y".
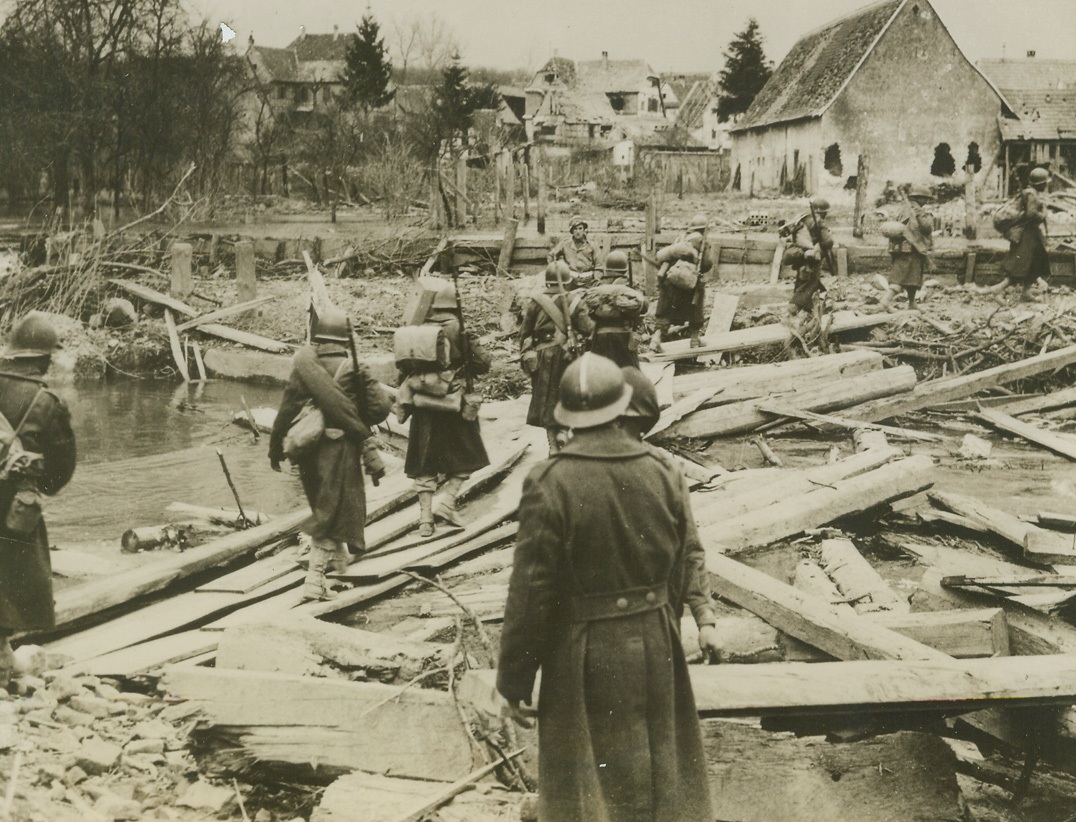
{"x": 182, "y": 284}
{"x": 862, "y": 175}
{"x": 246, "y": 282}
{"x": 539, "y": 173}
{"x": 508, "y": 244}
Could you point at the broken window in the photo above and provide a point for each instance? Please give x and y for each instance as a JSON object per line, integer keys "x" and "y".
{"x": 944, "y": 165}
{"x": 974, "y": 160}
{"x": 832, "y": 161}
{"x": 617, "y": 102}
{"x": 653, "y": 104}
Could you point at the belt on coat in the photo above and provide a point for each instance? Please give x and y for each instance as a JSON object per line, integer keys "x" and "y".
{"x": 594, "y": 607}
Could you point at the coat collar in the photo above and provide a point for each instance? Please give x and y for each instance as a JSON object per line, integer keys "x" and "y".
{"x": 607, "y": 442}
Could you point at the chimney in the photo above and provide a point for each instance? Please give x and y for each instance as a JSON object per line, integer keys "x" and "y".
{"x": 336, "y": 32}
{"x": 1030, "y": 53}
{"x": 605, "y": 60}
{"x": 250, "y": 40}
{"x": 302, "y": 33}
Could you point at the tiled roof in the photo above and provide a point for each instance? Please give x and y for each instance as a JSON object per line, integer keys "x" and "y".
{"x": 1033, "y": 73}
{"x": 321, "y": 46}
{"x": 682, "y": 84}
{"x": 693, "y": 105}
{"x": 1044, "y": 115}
{"x": 818, "y": 67}
{"x": 612, "y": 76}
{"x": 279, "y": 64}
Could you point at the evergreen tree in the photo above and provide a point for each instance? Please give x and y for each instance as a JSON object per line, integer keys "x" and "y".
{"x": 368, "y": 70}
{"x": 746, "y": 72}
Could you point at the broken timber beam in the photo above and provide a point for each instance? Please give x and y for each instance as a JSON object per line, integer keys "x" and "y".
{"x": 857, "y": 580}
{"x": 1058, "y": 443}
{"x": 1043, "y": 402}
{"x": 221, "y": 313}
{"x": 779, "y": 410}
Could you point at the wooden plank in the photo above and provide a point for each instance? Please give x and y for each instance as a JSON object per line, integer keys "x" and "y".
{"x": 680, "y": 409}
{"x": 154, "y": 296}
{"x": 722, "y": 313}
{"x": 822, "y": 505}
{"x": 662, "y": 375}
{"x": 780, "y": 410}
{"x": 1043, "y": 402}
{"x": 857, "y": 580}
{"x": 319, "y": 293}
{"x": 221, "y": 313}
{"x": 738, "y": 417}
{"x": 147, "y": 657}
{"x": 178, "y": 355}
{"x": 772, "y": 334}
{"x": 1050, "y": 519}
{"x": 339, "y": 726}
{"x": 246, "y": 338}
{"x": 775, "y": 265}
{"x": 251, "y": 577}
{"x": 197, "y": 351}
{"x": 1058, "y": 443}
{"x": 948, "y": 389}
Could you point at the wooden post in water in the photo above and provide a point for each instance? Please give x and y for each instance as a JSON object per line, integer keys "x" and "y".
{"x": 539, "y": 173}
{"x": 971, "y": 206}
{"x": 862, "y": 175}
{"x": 246, "y": 281}
{"x": 182, "y": 284}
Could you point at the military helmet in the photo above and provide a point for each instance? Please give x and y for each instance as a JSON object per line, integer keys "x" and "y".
{"x": 616, "y": 262}
{"x": 558, "y": 273}
{"x": 577, "y": 221}
{"x": 920, "y": 192}
{"x": 592, "y": 393}
{"x": 1038, "y": 177}
{"x": 820, "y": 204}
{"x": 698, "y": 223}
{"x": 32, "y": 336}
{"x": 644, "y": 397}
{"x": 331, "y": 326}
{"x": 445, "y": 298}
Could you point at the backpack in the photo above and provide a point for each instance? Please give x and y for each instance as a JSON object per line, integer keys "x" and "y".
{"x": 421, "y": 348}
{"x": 14, "y": 459}
{"x": 1009, "y": 214}
{"x": 561, "y": 319}
{"x": 612, "y": 303}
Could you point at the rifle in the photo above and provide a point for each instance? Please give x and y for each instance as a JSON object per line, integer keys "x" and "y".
{"x": 465, "y": 344}
{"x": 827, "y": 252}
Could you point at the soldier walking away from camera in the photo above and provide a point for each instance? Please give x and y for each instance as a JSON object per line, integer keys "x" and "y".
{"x": 606, "y": 558}
{"x": 327, "y": 376}
{"x": 911, "y": 249}
{"x": 682, "y": 284}
{"x": 554, "y": 328}
{"x": 1026, "y": 261}
{"x": 576, "y": 250}
{"x": 445, "y": 437}
{"x": 811, "y": 245}
{"x": 38, "y": 457}
{"x": 644, "y": 411}
{"x": 616, "y": 310}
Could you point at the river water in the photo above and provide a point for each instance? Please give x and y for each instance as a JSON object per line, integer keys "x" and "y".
{"x": 144, "y": 444}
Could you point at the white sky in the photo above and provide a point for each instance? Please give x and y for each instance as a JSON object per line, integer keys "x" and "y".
{"x": 672, "y": 35}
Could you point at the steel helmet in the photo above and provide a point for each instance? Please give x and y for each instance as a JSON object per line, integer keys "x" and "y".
{"x": 32, "y": 336}
{"x": 820, "y": 204}
{"x": 557, "y": 273}
{"x": 331, "y": 326}
{"x": 616, "y": 262}
{"x": 1038, "y": 177}
{"x": 698, "y": 223}
{"x": 592, "y": 393}
{"x": 644, "y": 397}
{"x": 577, "y": 221}
{"x": 920, "y": 192}
{"x": 445, "y": 298}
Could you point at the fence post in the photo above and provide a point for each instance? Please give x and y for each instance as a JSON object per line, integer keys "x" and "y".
{"x": 245, "y": 278}
{"x": 182, "y": 285}
{"x": 862, "y": 176}
{"x": 539, "y": 172}
{"x": 971, "y": 208}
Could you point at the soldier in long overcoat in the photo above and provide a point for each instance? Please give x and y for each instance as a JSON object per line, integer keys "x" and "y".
{"x": 910, "y": 252}
{"x": 1027, "y": 260}
{"x": 616, "y": 311}
{"x": 352, "y": 402}
{"x": 445, "y": 442}
{"x": 25, "y": 568}
{"x": 681, "y": 306}
{"x": 606, "y": 558}
{"x": 554, "y": 329}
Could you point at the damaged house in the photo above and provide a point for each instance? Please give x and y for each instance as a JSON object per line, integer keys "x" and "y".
{"x": 889, "y": 81}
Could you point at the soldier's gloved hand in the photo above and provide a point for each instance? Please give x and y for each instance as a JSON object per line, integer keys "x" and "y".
{"x": 522, "y": 715}
{"x": 274, "y": 464}
{"x": 709, "y": 644}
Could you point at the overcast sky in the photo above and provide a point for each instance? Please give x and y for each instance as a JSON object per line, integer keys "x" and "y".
{"x": 672, "y": 35}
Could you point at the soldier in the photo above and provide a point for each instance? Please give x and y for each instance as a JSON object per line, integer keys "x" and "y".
{"x": 606, "y": 558}
{"x": 577, "y": 251}
{"x": 41, "y": 463}
{"x": 811, "y": 244}
{"x": 677, "y": 303}
{"x": 1027, "y": 260}
{"x": 325, "y": 376}
{"x": 644, "y": 411}
{"x": 445, "y": 438}
{"x": 554, "y": 327}
{"x": 616, "y": 310}
{"x": 911, "y": 251}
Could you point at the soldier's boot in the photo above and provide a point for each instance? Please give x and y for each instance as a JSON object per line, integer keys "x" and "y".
{"x": 314, "y": 587}
{"x": 425, "y": 515}
{"x": 339, "y": 558}
{"x": 444, "y": 506}
{"x": 910, "y": 291}
{"x": 7, "y": 659}
{"x": 696, "y": 338}
{"x": 655, "y": 342}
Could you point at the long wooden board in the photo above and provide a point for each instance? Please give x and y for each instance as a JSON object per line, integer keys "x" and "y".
{"x": 221, "y": 313}
{"x": 779, "y": 409}
{"x": 1058, "y": 443}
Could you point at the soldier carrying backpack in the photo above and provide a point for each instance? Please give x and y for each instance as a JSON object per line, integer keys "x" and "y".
{"x": 616, "y": 310}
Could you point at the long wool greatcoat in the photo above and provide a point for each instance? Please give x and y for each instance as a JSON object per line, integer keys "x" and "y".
{"x": 331, "y": 473}
{"x": 1027, "y": 259}
{"x": 25, "y": 569}
{"x": 443, "y": 442}
{"x": 677, "y": 306}
{"x": 538, "y": 332}
{"x": 910, "y": 262}
{"x": 606, "y": 557}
